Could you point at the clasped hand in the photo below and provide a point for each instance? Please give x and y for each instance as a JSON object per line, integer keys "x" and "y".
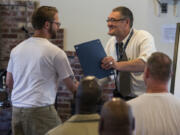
{"x": 108, "y": 63}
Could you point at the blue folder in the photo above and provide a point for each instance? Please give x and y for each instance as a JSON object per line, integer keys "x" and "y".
{"x": 90, "y": 55}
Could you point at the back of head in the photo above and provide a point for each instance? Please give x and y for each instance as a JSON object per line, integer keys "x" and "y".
{"x": 88, "y": 95}
{"x": 116, "y": 118}
{"x": 126, "y": 13}
{"x": 41, "y": 15}
{"x": 160, "y": 66}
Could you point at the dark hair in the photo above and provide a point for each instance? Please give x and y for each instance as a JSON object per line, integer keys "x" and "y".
{"x": 88, "y": 94}
{"x": 125, "y": 12}
{"x": 160, "y": 66}
{"x": 41, "y": 15}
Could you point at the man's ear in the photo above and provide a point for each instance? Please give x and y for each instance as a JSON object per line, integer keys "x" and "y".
{"x": 101, "y": 126}
{"x": 128, "y": 21}
{"x": 146, "y": 72}
{"x": 46, "y": 25}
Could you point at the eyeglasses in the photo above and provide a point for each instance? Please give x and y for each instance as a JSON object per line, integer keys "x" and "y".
{"x": 57, "y": 23}
{"x": 115, "y": 20}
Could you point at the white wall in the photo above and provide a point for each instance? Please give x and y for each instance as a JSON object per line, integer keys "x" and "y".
{"x": 85, "y": 20}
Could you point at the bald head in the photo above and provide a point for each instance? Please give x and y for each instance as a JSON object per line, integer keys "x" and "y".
{"x": 87, "y": 96}
{"x": 116, "y": 118}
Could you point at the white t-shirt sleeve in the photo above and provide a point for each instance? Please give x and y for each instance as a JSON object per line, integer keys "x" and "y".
{"x": 10, "y": 65}
{"x": 62, "y": 66}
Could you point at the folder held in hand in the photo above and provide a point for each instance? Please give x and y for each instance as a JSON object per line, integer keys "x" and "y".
{"x": 90, "y": 55}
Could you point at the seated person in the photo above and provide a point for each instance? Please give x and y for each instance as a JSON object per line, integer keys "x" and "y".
{"x": 85, "y": 121}
{"x": 157, "y": 111}
{"x": 116, "y": 118}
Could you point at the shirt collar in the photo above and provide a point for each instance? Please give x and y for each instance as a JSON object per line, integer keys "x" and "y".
{"x": 84, "y": 117}
{"x": 125, "y": 39}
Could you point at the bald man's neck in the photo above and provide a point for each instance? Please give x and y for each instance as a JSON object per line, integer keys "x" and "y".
{"x": 81, "y": 109}
{"x": 115, "y": 133}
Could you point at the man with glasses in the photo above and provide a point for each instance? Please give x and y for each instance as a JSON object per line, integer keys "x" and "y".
{"x": 127, "y": 50}
{"x": 34, "y": 67}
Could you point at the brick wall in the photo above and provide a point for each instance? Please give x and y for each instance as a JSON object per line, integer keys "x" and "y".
{"x": 14, "y": 15}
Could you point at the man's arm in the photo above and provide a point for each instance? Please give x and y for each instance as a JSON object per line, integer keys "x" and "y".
{"x": 136, "y": 65}
{"x": 9, "y": 81}
{"x": 71, "y": 84}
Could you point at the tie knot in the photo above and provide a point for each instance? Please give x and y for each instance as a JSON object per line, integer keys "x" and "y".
{"x": 121, "y": 45}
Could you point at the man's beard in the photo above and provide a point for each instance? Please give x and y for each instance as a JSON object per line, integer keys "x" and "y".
{"x": 52, "y": 32}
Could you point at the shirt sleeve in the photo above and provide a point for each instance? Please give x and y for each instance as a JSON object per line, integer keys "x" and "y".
{"x": 62, "y": 65}
{"x": 147, "y": 47}
{"x": 110, "y": 48}
{"x": 10, "y": 64}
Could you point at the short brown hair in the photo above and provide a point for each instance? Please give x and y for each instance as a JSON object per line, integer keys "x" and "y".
{"x": 126, "y": 13}
{"x": 41, "y": 15}
{"x": 160, "y": 66}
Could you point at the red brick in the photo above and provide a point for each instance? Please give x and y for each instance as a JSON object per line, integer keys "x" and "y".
{"x": 77, "y": 65}
{"x": 16, "y": 30}
{"x": 5, "y": 13}
{"x": 30, "y": 13}
{"x": 108, "y": 91}
{"x": 59, "y": 36}
{"x": 4, "y": 8}
{"x": 64, "y": 105}
{"x": 20, "y": 19}
{"x": 78, "y": 72}
{"x": 9, "y": 35}
{"x": 70, "y": 53}
{"x": 22, "y": 3}
{"x": 4, "y": 30}
{"x": 64, "y": 117}
{"x": 61, "y": 46}
{"x": 61, "y": 30}
{"x": 64, "y": 94}
{"x": 62, "y": 110}
{"x": 8, "y": 24}
{"x": 57, "y": 41}
{"x": 78, "y": 77}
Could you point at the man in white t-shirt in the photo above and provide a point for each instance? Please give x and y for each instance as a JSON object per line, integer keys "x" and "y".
{"x": 34, "y": 67}
{"x": 157, "y": 111}
{"x": 127, "y": 50}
